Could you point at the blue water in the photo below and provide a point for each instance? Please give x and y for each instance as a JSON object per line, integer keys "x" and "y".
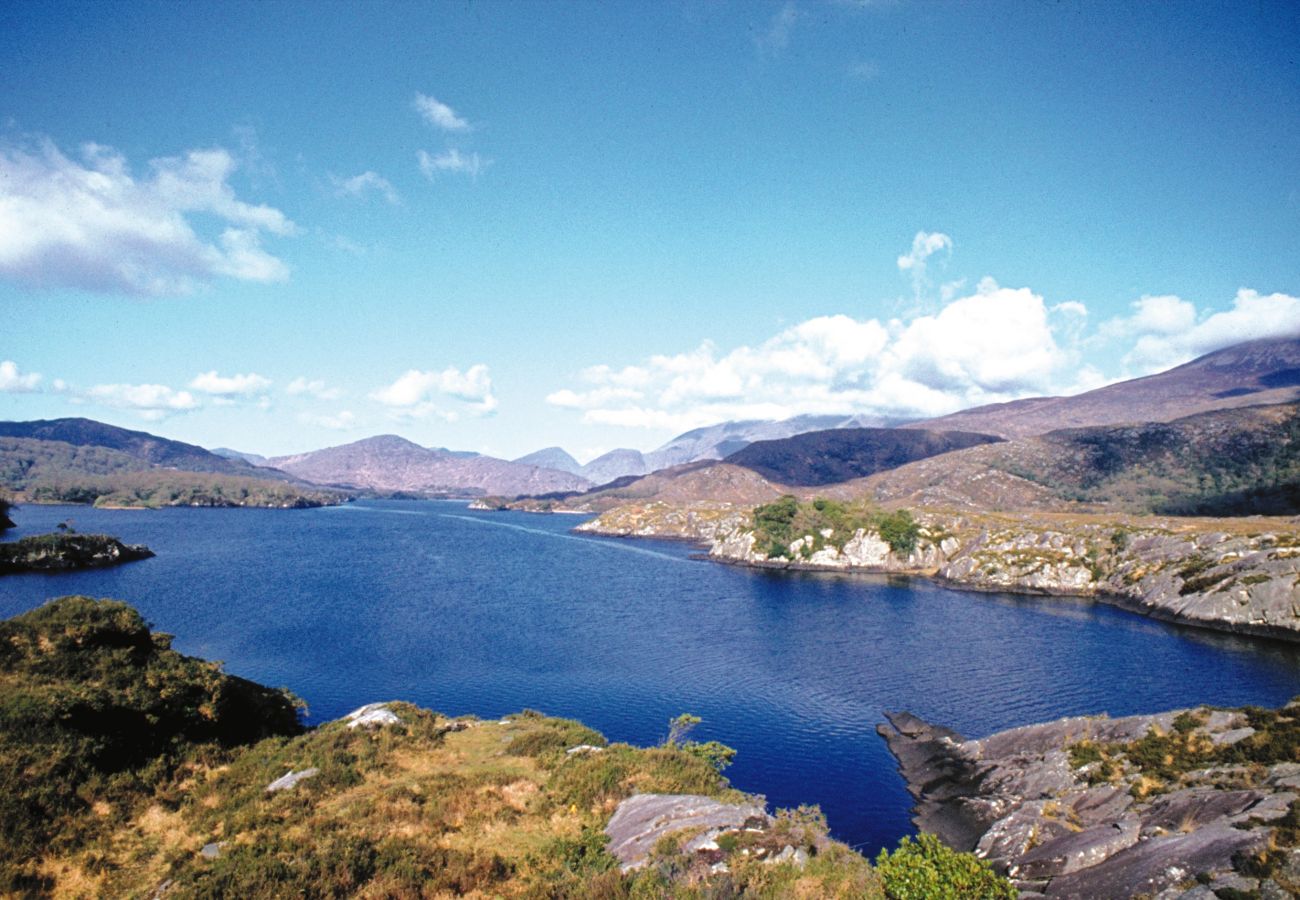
{"x": 490, "y": 613}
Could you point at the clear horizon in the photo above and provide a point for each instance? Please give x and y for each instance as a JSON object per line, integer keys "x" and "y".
{"x": 502, "y": 227}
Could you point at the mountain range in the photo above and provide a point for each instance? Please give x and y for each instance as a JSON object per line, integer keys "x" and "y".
{"x": 1217, "y": 433}
{"x": 1217, "y": 436}
{"x": 393, "y": 464}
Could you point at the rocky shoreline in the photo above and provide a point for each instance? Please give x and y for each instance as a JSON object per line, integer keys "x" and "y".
{"x": 61, "y": 552}
{"x": 1194, "y": 803}
{"x": 1239, "y": 576}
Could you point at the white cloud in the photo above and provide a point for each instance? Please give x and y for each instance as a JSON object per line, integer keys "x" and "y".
{"x": 359, "y": 185}
{"x": 439, "y": 114}
{"x": 995, "y": 344}
{"x": 776, "y": 37}
{"x": 315, "y": 388}
{"x": 1168, "y": 331}
{"x": 341, "y": 422}
{"x": 13, "y": 381}
{"x": 925, "y": 245}
{"x": 451, "y": 161}
{"x": 248, "y": 385}
{"x": 417, "y": 394}
{"x": 95, "y": 226}
{"x": 149, "y": 401}
{"x": 867, "y": 70}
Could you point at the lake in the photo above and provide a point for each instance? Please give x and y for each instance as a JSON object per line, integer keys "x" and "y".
{"x": 490, "y": 613}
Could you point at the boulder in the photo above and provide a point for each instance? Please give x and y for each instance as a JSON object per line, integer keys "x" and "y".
{"x": 642, "y": 819}
{"x": 372, "y": 715}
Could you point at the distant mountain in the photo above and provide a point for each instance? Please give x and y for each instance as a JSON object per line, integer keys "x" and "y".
{"x": 716, "y": 442}
{"x": 83, "y": 461}
{"x": 255, "y": 459}
{"x": 615, "y": 464}
{"x": 392, "y": 463}
{"x": 1249, "y": 374}
{"x": 721, "y": 440}
{"x": 552, "y": 458}
{"x": 828, "y": 457}
{"x": 148, "y": 448}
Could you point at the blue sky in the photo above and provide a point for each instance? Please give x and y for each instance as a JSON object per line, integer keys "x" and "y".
{"x": 500, "y": 226}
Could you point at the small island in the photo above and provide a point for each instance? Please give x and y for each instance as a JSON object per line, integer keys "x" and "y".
{"x": 61, "y": 551}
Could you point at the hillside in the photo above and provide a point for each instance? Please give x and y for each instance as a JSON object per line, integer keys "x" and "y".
{"x": 140, "y": 445}
{"x": 1250, "y": 374}
{"x": 1226, "y": 462}
{"x": 132, "y": 770}
{"x": 52, "y": 471}
{"x": 392, "y": 463}
{"x": 829, "y": 457}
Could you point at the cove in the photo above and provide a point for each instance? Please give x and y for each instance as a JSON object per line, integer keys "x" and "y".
{"x": 490, "y": 613}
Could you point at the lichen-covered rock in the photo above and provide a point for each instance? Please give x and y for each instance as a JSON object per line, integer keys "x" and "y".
{"x": 372, "y": 715}
{"x": 642, "y": 819}
{"x": 290, "y": 780}
{"x": 1023, "y": 801}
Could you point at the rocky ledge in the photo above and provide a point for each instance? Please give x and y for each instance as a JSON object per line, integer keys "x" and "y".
{"x": 54, "y": 552}
{"x": 1194, "y": 572}
{"x": 701, "y": 522}
{"x": 1198, "y": 803}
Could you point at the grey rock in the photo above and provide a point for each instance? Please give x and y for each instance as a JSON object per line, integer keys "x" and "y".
{"x": 1271, "y": 890}
{"x": 1269, "y": 809}
{"x": 1186, "y": 810}
{"x": 291, "y": 779}
{"x": 1231, "y": 736}
{"x": 1200, "y": 892}
{"x": 1290, "y": 868}
{"x": 1073, "y": 851}
{"x": 212, "y": 850}
{"x": 372, "y": 715}
{"x": 642, "y": 819}
{"x": 1100, "y": 804}
{"x": 1158, "y": 863}
{"x": 1235, "y": 882}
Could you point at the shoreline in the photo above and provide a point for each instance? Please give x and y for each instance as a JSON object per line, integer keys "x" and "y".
{"x": 1172, "y": 612}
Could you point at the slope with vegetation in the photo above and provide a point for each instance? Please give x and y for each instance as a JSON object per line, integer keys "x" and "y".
{"x": 130, "y": 770}
{"x": 829, "y": 457}
{"x": 49, "y": 471}
{"x": 1223, "y": 463}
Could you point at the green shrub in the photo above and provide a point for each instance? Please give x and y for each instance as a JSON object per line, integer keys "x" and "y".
{"x": 899, "y": 530}
{"x": 926, "y": 869}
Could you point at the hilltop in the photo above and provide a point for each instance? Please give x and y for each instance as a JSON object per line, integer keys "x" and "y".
{"x": 1254, "y": 373}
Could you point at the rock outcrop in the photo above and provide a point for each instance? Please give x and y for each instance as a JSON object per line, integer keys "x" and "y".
{"x": 1160, "y": 805}
{"x": 54, "y": 552}
{"x": 643, "y": 819}
{"x": 701, "y": 522}
{"x": 1191, "y": 571}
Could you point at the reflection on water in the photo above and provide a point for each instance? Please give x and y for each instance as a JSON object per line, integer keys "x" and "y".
{"x": 489, "y": 613}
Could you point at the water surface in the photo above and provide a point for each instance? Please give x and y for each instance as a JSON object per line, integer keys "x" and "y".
{"x": 490, "y": 613}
